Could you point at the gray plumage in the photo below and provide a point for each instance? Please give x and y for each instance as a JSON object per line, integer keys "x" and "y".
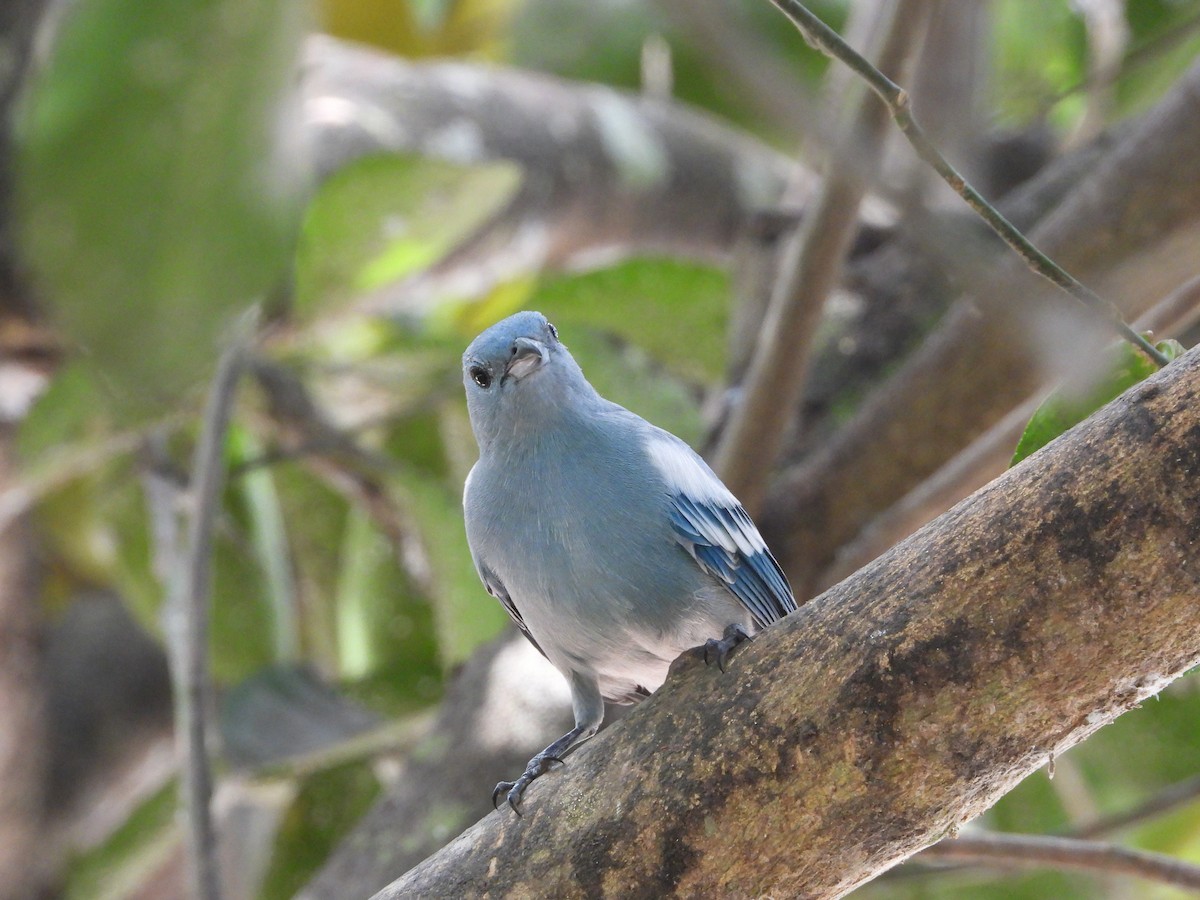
{"x": 612, "y": 545}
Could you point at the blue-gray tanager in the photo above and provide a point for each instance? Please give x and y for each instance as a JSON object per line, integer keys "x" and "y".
{"x": 612, "y": 545}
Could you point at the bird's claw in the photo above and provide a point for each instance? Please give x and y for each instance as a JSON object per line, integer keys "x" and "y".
{"x": 513, "y": 791}
{"x": 718, "y": 651}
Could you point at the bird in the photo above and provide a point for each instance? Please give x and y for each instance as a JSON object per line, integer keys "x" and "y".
{"x": 609, "y": 541}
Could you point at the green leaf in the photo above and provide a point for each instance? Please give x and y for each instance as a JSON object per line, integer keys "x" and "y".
{"x": 269, "y": 538}
{"x": 385, "y": 629}
{"x": 676, "y": 311}
{"x": 383, "y": 218}
{"x": 152, "y": 200}
{"x": 1070, "y": 404}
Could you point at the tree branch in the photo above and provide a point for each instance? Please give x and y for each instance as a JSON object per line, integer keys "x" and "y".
{"x": 607, "y": 172}
{"x": 1042, "y": 851}
{"x": 1131, "y": 226}
{"x": 186, "y": 616}
{"x": 901, "y": 703}
{"x": 823, "y": 38}
{"x": 1164, "y": 801}
{"x": 988, "y": 456}
{"x": 810, "y": 269}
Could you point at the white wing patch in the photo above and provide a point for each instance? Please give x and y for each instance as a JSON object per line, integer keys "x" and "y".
{"x": 713, "y": 528}
{"x": 685, "y": 473}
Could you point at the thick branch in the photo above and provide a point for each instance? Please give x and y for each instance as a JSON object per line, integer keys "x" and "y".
{"x": 604, "y": 171}
{"x": 901, "y": 703}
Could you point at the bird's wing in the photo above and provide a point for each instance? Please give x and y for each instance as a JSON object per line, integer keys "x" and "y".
{"x": 496, "y": 588}
{"x": 492, "y": 581}
{"x": 714, "y": 528}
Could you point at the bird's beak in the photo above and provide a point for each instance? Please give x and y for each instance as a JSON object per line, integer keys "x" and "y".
{"x": 528, "y": 355}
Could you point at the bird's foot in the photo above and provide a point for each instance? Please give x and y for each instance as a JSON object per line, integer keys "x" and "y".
{"x": 512, "y": 791}
{"x": 718, "y": 651}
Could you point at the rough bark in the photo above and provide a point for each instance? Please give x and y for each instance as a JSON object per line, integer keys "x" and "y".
{"x": 899, "y": 704}
{"x": 1130, "y": 229}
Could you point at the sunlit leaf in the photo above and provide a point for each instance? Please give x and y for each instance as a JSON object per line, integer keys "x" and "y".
{"x": 386, "y": 217}
{"x": 464, "y": 615}
{"x": 416, "y": 28}
{"x": 385, "y": 630}
{"x": 269, "y": 538}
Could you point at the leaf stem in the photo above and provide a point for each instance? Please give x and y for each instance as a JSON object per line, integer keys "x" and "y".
{"x": 824, "y": 39}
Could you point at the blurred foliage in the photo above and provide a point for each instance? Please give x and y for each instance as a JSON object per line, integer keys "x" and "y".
{"x": 324, "y": 810}
{"x": 157, "y": 198}
{"x": 142, "y": 843}
{"x": 416, "y": 28}
{"x": 154, "y": 196}
{"x": 1040, "y": 57}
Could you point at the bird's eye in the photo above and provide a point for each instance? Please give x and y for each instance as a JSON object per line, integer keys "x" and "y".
{"x": 553, "y": 330}
{"x": 481, "y": 377}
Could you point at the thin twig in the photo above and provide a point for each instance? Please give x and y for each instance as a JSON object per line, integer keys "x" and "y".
{"x": 1039, "y": 851}
{"x": 1164, "y": 801}
{"x": 187, "y": 615}
{"x": 824, "y": 39}
{"x": 811, "y": 266}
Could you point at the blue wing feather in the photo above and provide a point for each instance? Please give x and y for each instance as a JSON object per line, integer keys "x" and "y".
{"x": 724, "y": 541}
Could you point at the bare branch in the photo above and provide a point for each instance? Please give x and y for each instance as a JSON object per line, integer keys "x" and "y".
{"x": 823, "y": 38}
{"x": 898, "y": 705}
{"x": 1041, "y": 851}
{"x": 186, "y": 616}
{"x": 811, "y": 267}
{"x": 1131, "y": 225}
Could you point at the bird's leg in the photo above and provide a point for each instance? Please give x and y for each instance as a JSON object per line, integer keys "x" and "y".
{"x": 717, "y": 651}
{"x": 589, "y": 713}
{"x": 538, "y": 766}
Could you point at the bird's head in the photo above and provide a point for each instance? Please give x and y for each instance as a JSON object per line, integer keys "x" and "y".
{"x": 518, "y": 372}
